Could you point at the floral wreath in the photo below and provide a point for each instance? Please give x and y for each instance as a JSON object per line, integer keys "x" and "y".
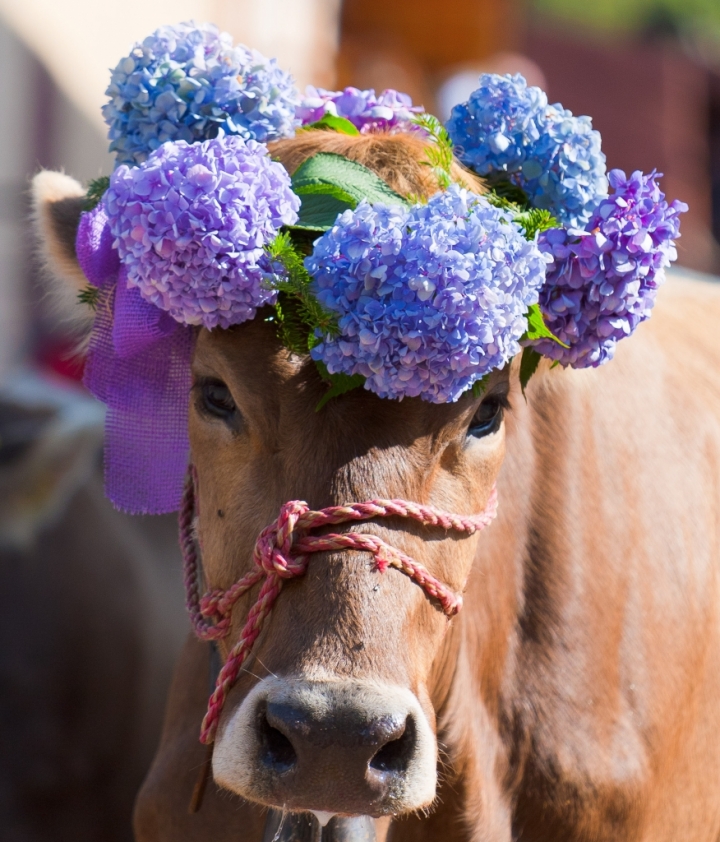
{"x": 198, "y": 226}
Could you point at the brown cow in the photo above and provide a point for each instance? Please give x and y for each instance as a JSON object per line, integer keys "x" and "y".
{"x": 576, "y": 695}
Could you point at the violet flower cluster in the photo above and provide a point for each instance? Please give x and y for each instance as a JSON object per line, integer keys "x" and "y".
{"x": 191, "y": 224}
{"x": 188, "y": 82}
{"x": 508, "y": 127}
{"x": 430, "y": 298}
{"x": 389, "y": 112}
{"x": 603, "y": 282}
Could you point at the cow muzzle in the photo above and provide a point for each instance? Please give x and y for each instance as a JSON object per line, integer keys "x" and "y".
{"x": 333, "y": 747}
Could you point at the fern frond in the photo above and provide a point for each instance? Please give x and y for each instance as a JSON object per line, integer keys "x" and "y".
{"x": 535, "y": 220}
{"x": 299, "y": 313}
{"x": 95, "y": 191}
{"x": 89, "y": 296}
{"x": 440, "y": 155}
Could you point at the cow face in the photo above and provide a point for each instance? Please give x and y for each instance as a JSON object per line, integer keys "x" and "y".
{"x": 335, "y": 710}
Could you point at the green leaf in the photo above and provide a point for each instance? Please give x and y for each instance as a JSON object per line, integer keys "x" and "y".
{"x": 537, "y": 329}
{"x": 528, "y": 366}
{"x": 95, "y": 191}
{"x": 335, "y": 124}
{"x": 331, "y": 173}
{"x": 339, "y": 385}
{"x": 479, "y": 387}
{"x": 89, "y": 296}
{"x": 318, "y": 211}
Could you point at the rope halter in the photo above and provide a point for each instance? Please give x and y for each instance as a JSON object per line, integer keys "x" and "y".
{"x": 282, "y": 551}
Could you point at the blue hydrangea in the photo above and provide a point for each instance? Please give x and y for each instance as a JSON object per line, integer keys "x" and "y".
{"x": 188, "y": 82}
{"x": 508, "y": 127}
{"x": 429, "y": 298}
{"x": 392, "y": 111}
{"x": 191, "y": 224}
{"x": 603, "y": 282}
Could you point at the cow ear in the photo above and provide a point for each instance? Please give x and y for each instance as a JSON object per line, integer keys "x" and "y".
{"x": 57, "y": 202}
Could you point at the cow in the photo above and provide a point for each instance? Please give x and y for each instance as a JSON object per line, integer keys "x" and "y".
{"x": 90, "y": 627}
{"x": 575, "y": 695}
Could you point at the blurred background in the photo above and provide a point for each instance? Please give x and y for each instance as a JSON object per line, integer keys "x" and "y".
{"x": 91, "y": 607}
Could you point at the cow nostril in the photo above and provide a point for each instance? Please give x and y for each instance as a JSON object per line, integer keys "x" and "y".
{"x": 395, "y": 756}
{"x": 276, "y": 749}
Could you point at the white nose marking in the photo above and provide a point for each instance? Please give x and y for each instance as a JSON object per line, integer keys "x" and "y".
{"x": 322, "y": 817}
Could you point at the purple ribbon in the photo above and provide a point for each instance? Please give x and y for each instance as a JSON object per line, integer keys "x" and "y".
{"x": 138, "y": 364}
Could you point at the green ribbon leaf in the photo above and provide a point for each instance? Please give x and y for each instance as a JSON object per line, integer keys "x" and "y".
{"x": 528, "y": 366}
{"x": 330, "y": 122}
{"x": 537, "y": 329}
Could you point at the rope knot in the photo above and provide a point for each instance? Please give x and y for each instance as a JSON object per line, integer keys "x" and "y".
{"x": 273, "y": 551}
{"x": 282, "y": 552}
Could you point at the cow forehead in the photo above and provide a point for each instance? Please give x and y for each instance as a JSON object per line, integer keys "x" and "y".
{"x": 277, "y": 387}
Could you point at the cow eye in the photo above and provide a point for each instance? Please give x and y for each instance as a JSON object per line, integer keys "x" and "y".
{"x": 216, "y": 399}
{"x": 487, "y": 417}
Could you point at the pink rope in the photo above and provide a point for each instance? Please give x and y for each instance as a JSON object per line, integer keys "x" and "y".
{"x": 282, "y": 552}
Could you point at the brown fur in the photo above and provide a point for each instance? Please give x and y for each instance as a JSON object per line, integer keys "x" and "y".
{"x": 575, "y": 697}
{"x": 57, "y": 202}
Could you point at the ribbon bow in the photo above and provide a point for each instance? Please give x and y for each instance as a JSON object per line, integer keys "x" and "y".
{"x": 138, "y": 364}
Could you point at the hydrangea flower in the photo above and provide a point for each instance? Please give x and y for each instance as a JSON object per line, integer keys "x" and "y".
{"x": 429, "y": 298}
{"x": 603, "y": 282}
{"x": 191, "y": 224}
{"x": 188, "y": 82}
{"x": 554, "y": 157}
{"x": 389, "y": 112}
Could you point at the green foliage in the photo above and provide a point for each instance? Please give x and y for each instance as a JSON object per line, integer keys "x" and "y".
{"x": 334, "y": 124}
{"x": 298, "y": 313}
{"x": 89, "y": 296}
{"x": 692, "y": 18}
{"x": 507, "y": 196}
{"x": 528, "y": 366}
{"x": 339, "y": 176}
{"x": 440, "y": 155}
{"x": 339, "y": 384}
{"x": 329, "y": 184}
{"x": 318, "y": 211}
{"x": 479, "y": 387}
{"x": 502, "y": 188}
{"x": 537, "y": 329}
{"x": 535, "y": 220}
{"x": 95, "y": 191}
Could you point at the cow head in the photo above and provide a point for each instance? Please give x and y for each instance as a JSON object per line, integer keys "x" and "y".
{"x": 336, "y": 709}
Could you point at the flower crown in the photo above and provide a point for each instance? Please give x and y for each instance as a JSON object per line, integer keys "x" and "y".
{"x": 198, "y": 226}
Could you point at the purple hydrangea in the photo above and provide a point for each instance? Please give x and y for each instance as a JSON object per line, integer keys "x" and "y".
{"x": 191, "y": 224}
{"x": 429, "y": 298}
{"x": 389, "y": 112}
{"x": 554, "y": 157}
{"x": 188, "y": 82}
{"x": 603, "y": 282}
